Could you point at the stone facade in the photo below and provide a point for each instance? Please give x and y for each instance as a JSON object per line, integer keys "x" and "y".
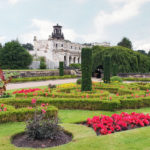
{"x": 57, "y": 49}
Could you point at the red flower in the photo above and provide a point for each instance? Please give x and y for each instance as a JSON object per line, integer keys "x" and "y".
{"x": 5, "y": 109}
{"x": 43, "y": 111}
{"x": 33, "y": 101}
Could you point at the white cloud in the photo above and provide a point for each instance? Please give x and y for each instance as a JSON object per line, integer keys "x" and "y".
{"x": 2, "y": 39}
{"x": 123, "y": 13}
{"x": 142, "y": 45}
{"x": 14, "y": 1}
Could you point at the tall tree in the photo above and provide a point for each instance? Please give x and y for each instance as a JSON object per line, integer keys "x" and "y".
{"x": 125, "y": 42}
{"x": 14, "y": 56}
{"x": 142, "y": 52}
{"x": 28, "y": 46}
{"x": 0, "y": 45}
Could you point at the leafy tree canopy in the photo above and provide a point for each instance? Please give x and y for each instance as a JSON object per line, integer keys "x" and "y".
{"x": 0, "y": 45}
{"x": 142, "y": 52}
{"x": 14, "y": 56}
{"x": 125, "y": 42}
{"x": 28, "y": 46}
{"x": 127, "y": 60}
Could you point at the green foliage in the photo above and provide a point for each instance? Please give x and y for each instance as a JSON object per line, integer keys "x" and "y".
{"x": 1, "y": 46}
{"x": 61, "y": 68}
{"x": 79, "y": 81}
{"x": 28, "y": 46}
{"x": 14, "y": 56}
{"x": 116, "y": 79}
{"x": 114, "y": 70}
{"x": 127, "y": 60}
{"x": 27, "y": 79}
{"x": 125, "y": 42}
{"x": 23, "y": 114}
{"x": 75, "y": 66}
{"x": 43, "y": 129}
{"x": 42, "y": 63}
{"x": 107, "y": 64}
{"x": 86, "y": 69}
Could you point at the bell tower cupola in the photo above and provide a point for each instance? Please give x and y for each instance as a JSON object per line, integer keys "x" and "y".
{"x": 57, "y": 32}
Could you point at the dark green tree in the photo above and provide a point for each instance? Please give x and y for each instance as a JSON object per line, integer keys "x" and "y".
{"x": 86, "y": 66}
{"x": 28, "y": 46}
{"x": 107, "y": 65}
{"x": 148, "y": 53}
{"x": 127, "y": 60}
{"x": 142, "y": 52}
{"x": 14, "y": 56}
{"x": 0, "y": 45}
{"x": 125, "y": 42}
{"x": 61, "y": 68}
{"x": 42, "y": 63}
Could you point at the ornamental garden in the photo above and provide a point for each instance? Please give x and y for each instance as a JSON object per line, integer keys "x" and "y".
{"x": 83, "y": 115}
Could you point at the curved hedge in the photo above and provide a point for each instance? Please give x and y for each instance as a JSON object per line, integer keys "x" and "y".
{"x": 23, "y": 114}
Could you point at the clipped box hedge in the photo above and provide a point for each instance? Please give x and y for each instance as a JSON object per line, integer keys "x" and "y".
{"x": 67, "y": 103}
{"x": 28, "y": 79}
{"x": 23, "y": 114}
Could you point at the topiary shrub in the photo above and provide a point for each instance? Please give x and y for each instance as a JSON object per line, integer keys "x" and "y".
{"x": 42, "y": 63}
{"x": 116, "y": 79}
{"x": 86, "y": 66}
{"x": 79, "y": 81}
{"x": 61, "y": 68}
{"x": 107, "y": 69}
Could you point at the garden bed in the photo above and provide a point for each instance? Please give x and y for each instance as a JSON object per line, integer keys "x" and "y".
{"x": 22, "y": 140}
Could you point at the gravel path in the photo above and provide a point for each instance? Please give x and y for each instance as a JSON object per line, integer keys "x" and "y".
{"x": 12, "y": 86}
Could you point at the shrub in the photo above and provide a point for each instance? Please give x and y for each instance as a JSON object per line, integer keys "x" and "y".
{"x": 79, "y": 81}
{"x": 42, "y": 63}
{"x": 116, "y": 79}
{"x": 43, "y": 129}
{"x": 107, "y": 69}
{"x": 51, "y": 86}
{"x": 86, "y": 66}
{"x": 75, "y": 66}
{"x": 61, "y": 68}
{"x": 27, "y": 79}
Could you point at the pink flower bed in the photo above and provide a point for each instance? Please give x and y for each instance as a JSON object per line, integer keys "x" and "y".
{"x": 106, "y": 125}
{"x": 26, "y": 91}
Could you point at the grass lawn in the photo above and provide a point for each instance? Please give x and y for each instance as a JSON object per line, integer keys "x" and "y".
{"x": 85, "y": 138}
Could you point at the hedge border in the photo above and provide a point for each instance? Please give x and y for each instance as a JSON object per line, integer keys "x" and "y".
{"x": 24, "y": 114}
{"x": 43, "y": 78}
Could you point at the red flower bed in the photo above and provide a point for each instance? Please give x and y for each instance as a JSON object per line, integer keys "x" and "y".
{"x": 26, "y": 91}
{"x": 106, "y": 125}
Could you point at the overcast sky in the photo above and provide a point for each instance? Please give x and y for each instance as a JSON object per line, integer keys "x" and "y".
{"x": 82, "y": 20}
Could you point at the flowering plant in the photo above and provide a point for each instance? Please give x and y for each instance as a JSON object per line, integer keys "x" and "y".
{"x": 106, "y": 125}
{"x": 26, "y": 91}
{"x": 3, "y": 108}
{"x": 41, "y": 128}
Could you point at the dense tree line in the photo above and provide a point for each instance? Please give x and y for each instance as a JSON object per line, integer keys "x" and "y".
{"x": 127, "y": 60}
{"x": 14, "y": 56}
